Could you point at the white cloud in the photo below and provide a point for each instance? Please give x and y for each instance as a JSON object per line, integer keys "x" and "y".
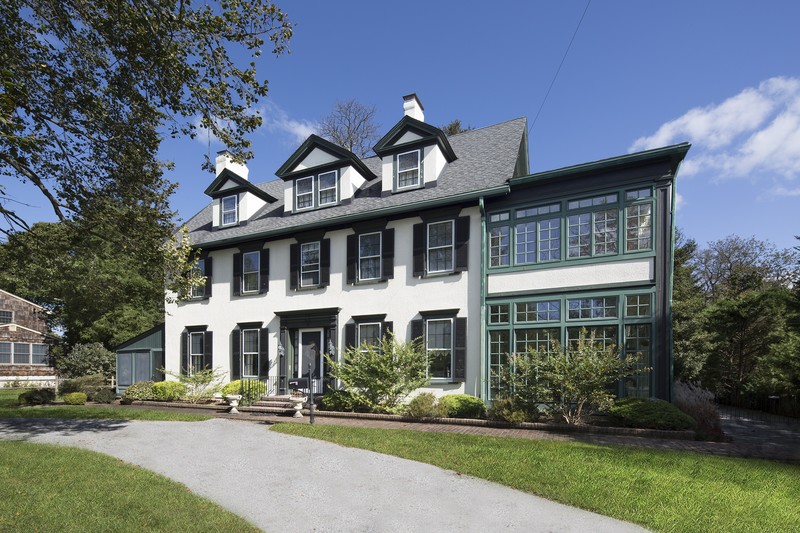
{"x": 679, "y": 201}
{"x": 754, "y": 135}
{"x": 276, "y": 120}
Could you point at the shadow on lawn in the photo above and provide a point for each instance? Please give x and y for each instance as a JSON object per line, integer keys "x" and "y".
{"x": 27, "y": 428}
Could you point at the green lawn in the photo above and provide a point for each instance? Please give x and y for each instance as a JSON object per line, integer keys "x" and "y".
{"x": 661, "y": 490}
{"x": 10, "y": 409}
{"x": 53, "y": 488}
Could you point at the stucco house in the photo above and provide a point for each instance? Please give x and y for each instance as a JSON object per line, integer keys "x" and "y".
{"x": 446, "y": 238}
{"x": 24, "y": 347}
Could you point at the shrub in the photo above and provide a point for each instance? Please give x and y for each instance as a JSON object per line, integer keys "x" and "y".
{"x": 104, "y": 395}
{"x": 380, "y": 376}
{"x": 338, "y": 400}
{"x": 251, "y": 389}
{"x": 462, "y": 406}
{"x": 698, "y": 403}
{"x": 85, "y": 359}
{"x": 88, "y": 385}
{"x": 37, "y": 397}
{"x": 424, "y": 405}
{"x": 201, "y": 385}
{"x": 75, "y": 398}
{"x": 650, "y": 414}
{"x": 141, "y": 390}
{"x": 507, "y": 410}
{"x": 168, "y": 391}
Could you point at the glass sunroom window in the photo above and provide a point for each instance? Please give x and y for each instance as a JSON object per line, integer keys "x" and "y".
{"x": 638, "y": 227}
{"x": 499, "y": 244}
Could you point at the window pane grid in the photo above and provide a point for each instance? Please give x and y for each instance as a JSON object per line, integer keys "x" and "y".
{"x": 408, "y": 169}
{"x": 605, "y": 232}
{"x": 526, "y": 243}
{"x": 440, "y": 246}
{"x": 498, "y": 358}
{"x": 250, "y": 269}
{"x": 229, "y": 208}
{"x": 196, "y": 350}
{"x": 39, "y": 354}
{"x": 498, "y": 314}
{"x": 439, "y": 344}
{"x": 550, "y": 240}
{"x": 605, "y": 336}
{"x": 22, "y": 353}
{"x": 369, "y": 333}
{"x": 5, "y": 353}
{"x": 592, "y": 308}
{"x": 327, "y": 188}
{"x": 637, "y": 305}
{"x": 304, "y": 189}
{"x": 309, "y": 264}
{"x": 638, "y": 226}
{"x": 579, "y": 227}
{"x": 539, "y": 339}
{"x": 549, "y": 310}
{"x": 6, "y": 317}
{"x": 250, "y": 349}
{"x": 369, "y": 256}
{"x": 499, "y": 241}
{"x": 199, "y": 291}
{"x": 637, "y": 343}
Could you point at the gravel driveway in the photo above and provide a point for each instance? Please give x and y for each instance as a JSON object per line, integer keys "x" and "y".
{"x": 280, "y": 482}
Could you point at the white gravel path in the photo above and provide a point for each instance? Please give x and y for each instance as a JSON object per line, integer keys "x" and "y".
{"x": 282, "y": 483}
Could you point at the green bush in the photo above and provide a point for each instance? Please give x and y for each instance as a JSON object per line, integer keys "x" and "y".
{"x": 462, "y": 406}
{"x": 37, "y": 397}
{"x": 424, "y": 405}
{"x": 338, "y": 400}
{"x": 87, "y": 359}
{"x": 142, "y": 390}
{"x": 75, "y": 398}
{"x": 105, "y": 395}
{"x": 168, "y": 391}
{"x": 88, "y": 385}
{"x": 507, "y": 410}
{"x": 650, "y": 414}
{"x": 251, "y": 389}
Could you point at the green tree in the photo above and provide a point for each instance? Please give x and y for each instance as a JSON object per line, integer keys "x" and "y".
{"x": 380, "y": 376}
{"x": 455, "y": 127}
{"x": 86, "y": 359}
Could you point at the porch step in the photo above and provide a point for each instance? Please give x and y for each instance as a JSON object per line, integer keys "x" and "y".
{"x": 274, "y": 403}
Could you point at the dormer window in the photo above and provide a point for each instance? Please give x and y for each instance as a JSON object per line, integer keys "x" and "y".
{"x": 229, "y": 211}
{"x": 408, "y": 170}
{"x": 316, "y": 191}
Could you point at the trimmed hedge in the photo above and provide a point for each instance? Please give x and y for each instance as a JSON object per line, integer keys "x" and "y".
{"x": 167, "y": 391}
{"x": 424, "y": 405}
{"x": 105, "y": 395}
{"x": 142, "y": 390}
{"x": 251, "y": 389}
{"x": 650, "y": 414}
{"x": 75, "y": 398}
{"x": 36, "y": 397}
{"x": 88, "y": 385}
{"x": 462, "y": 406}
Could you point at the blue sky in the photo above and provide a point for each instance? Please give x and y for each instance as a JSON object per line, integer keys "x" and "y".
{"x": 723, "y": 75}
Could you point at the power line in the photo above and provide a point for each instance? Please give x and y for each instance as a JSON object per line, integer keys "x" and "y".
{"x": 559, "y": 66}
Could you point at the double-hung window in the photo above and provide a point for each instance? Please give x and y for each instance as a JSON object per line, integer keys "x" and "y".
{"x": 327, "y": 188}
{"x": 304, "y": 193}
{"x": 22, "y": 353}
{"x": 39, "y": 354}
{"x": 321, "y": 190}
{"x": 196, "y": 351}
{"x": 229, "y": 210}
{"x": 369, "y": 256}
{"x": 6, "y": 317}
{"x": 5, "y": 353}
{"x": 408, "y": 169}
{"x": 250, "y": 351}
{"x": 441, "y": 241}
{"x": 439, "y": 345}
{"x": 368, "y": 333}
{"x": 309, "y": 264}
{"x": 251, "y": 262}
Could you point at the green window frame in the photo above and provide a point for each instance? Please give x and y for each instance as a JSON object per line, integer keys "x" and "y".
{"x": 592, "y": 308}
{"x": 638, "y": 305}
{"x": 638, "y": 342}
{"x": 499, "y": 246}
{"x": 499, "y": 314}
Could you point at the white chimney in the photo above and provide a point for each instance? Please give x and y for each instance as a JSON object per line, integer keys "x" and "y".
{"x": 224, "y": 160}
{"x": 412, "y": 107}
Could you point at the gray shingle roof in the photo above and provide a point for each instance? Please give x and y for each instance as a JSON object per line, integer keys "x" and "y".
{"x": 486, "y": 160}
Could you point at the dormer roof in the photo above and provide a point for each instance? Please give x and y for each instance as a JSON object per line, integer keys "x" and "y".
{"x": 342, "y": 157}
{"x": 217, "y": 188}
{"x": 424, "y": 133}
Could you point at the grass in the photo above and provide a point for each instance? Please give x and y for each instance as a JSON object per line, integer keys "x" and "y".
{"x": 53, "y": 488}
{"x": 10, "y": 409}
{"x": 661, "y": 490}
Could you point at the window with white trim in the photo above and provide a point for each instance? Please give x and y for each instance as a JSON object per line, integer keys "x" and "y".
{"x": 39, "y": 353}
{"x": 196, "y": 351}
{"x": 441, "y": 241}
{"x": 22, "y": 353}
{"x": 312, "y": 192}
{"x": 368, "y": 333}
{"x": 251, "y": 265}
{"x": 309, "y": 264}
{"x": 439, "y": 345}
{"x": 369, "y": 256}
{"x": 304, "y": 193}
{"x": 408, "y": 169}
{"x": 327, "y": 188}
{"x": 229, "y": 210}
{"x": 250, "y": 351}
{"x": 5, "y": 353}
{"x": 6, "y": 317}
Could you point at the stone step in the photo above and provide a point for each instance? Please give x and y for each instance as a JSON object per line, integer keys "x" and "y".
{"x": 274, "y": 403}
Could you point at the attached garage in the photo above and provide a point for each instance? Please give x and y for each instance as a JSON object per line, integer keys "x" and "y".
{"x": 141, "y": 358}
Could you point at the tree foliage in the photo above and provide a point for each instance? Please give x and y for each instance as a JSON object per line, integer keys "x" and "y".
{"x": 455, "y": 127}
{"x": 86, "y": 359}
{"x": 380, "y": 376}
{"x": 88, "y": 88}
{"x": 351, "y": 125}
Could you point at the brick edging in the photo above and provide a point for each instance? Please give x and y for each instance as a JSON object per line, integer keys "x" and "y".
{"x": 539, "y": 426}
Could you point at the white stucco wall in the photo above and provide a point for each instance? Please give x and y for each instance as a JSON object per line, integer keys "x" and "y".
{"x": 314, "y": 158}
{"x": 572, "y": 276}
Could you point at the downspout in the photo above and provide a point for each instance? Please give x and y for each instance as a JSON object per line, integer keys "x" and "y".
{"x": 484, "y": 391}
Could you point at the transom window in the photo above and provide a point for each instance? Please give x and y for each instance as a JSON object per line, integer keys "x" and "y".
{"x": 369, "y": 256}
{"x": 229, "y": 210}
{"x": 583, "y": 308}
{"x": 638, "y": 194}
{"x": 199, "y": 291}
{"x": 369, "y": 333}
{"x": 6, "y": 317}
{"x": 196, "y": 351}
{"x": 593, "y": 202}
{"x": 309, "y": 264}
{"x": 408, "y": 169}
{"x": 250, "y": 349}
{"x": 538, "y": 211}
{"x": 549, "y": 310}
{"x": 439, "y": 344}
{"x": 250, "y": 271}
{"x": 637, "y": 305}
{"x": 440, "y": 246}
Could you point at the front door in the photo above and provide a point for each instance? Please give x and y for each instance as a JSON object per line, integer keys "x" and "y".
{"x": 311, "y": 354}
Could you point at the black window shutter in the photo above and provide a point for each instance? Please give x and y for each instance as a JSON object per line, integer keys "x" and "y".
{"x": 419, "y": 250}
{"x": 325, "y": 263}
{"x": 460, "y": 349}
{"x": 263, "y": 271}
{"x": 294, "y": 265}
{"x": 349, "y": 336}
{"x": 237, "y": 274}
{"x": 236, "y": 354}
{"x": 462, "y": 244}
{"x": 418, "y": 330}
{"x": 387, "y": 254}
{"x": 209, "y": 276}
{"x": 352, "y": 258}
{"x": 386, "y": 328}
{"x": 208, "y": 350}
{"x": 263, "y": 353}
{"x": 184, "y": 353}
